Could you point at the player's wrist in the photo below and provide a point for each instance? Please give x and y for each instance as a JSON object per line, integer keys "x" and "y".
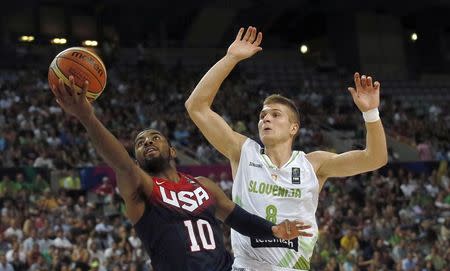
{"x": 232, "y": 58}
{"x": 86, "y": 118}
{"x": 371, "y": 115}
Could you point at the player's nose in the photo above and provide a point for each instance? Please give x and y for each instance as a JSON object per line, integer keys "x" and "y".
{"x": 267, "y": 118}
{"x": 148, "y": 142}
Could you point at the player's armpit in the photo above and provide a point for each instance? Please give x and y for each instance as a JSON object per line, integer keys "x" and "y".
{"x": 134, "y": 209}
{"x": 134, "y": 193}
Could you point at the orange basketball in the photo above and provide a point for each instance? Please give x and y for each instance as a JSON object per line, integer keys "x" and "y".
{"x": 83, "y": 65}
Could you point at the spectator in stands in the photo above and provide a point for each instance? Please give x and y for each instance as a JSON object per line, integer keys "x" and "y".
{"x": 4, "y": 265}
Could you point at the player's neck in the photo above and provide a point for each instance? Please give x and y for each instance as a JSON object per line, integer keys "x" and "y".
{"x": 279, "y": 154}
{"x": 170, "y": 174}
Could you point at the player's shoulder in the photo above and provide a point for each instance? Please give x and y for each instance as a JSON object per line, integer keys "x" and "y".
{"x": 253, "y": 145}
{"x": 316, "y": 158}
{"x": 209, "y": 184}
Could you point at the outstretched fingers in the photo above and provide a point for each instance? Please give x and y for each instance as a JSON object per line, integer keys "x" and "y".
{"x": 62, "y": 88}
{"x": 258, "y": 39}
{"x": 252, "y": 37}
{"x": 239, "y": 34}
{"x": 363, "y": 81}
{"x": 301, "y": 227}
{"x": 376, "y": 85}
{"x": 369, "y": 82}
{"x": 357, "y": 80}
{"x": 82, "y": 94}
{"x": 247, "y": 34}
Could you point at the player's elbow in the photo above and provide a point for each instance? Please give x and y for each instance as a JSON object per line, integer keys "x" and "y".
{"x": 376, "y": 160}
{"x": 380, "y": 161}
{"x": 383, "y": 158}
{"x": 195, "y": 108}
{"x": 189, "y": 105}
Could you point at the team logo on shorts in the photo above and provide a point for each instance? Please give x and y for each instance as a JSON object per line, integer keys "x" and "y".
{"x": 296, "y": 175}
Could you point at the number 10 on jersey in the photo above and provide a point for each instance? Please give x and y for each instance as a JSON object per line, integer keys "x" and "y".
{"x": 202, "y": 226}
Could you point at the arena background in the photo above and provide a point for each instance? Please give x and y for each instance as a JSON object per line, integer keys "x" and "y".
{"x": 59, "y": 208}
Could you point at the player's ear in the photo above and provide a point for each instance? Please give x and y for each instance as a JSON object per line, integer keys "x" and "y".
{"x": 294, "y": 128}
{"x": 173, "y": 152}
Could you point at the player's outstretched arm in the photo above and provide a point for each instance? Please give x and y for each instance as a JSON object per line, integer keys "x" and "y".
{"x": 249, "y": 224}
{"x": 367, "y": 98}
{"x": 198, "y": 105}
{"x": 129, "y": 176}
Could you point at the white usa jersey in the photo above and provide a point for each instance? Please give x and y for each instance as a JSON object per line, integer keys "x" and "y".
{"x": 290, "y": 192}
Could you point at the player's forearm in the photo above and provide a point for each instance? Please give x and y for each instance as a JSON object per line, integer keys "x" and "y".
{"x": 109, "y": 148}
{"x": 206, "y": 90}
{"x": 249, "y": 224}
{"x": 376, "y": 147}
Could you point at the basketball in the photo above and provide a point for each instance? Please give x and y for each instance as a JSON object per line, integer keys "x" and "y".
{"x": 83, "y": 65}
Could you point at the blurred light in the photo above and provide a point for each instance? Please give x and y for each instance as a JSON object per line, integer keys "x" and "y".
{"x": 26, "y": 38}
{"x": 91, "y": 43}
{"x": 59, "y": 41}
{"x": 414, "y": 36}
{"x": 303, "y": 49}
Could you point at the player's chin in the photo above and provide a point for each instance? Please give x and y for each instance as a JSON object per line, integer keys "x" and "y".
{"x": 153, "y": 158}
{"x": 267, "y": 139}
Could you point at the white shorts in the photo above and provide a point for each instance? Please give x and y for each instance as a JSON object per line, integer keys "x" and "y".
{"x": 246, "y": 264}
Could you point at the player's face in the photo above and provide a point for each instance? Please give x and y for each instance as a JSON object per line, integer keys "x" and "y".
{"x": 153, "y": 152}
{"x": 274, "y": 125}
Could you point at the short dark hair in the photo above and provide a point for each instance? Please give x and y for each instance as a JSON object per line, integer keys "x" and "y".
{"x": 147, "y": 129}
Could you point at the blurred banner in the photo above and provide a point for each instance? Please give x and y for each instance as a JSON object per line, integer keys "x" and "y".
{"x": 91, "y": 178}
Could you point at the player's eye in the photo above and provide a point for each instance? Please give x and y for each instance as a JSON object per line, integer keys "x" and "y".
{"x": 155, "y": 138}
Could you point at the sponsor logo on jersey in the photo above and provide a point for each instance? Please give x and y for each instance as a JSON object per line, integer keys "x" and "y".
{"x": 296, "y": 175}
{"x": 274, "y": 242}
{"x": 187, "y": 200}
{"x": 255, "y": 165}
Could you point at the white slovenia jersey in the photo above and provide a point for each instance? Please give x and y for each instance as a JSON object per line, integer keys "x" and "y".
{"x": 290, "y": 192}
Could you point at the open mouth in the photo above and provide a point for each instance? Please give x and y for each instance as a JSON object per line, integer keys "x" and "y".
{"x": 267, "y": 129}
{"x": 150, "y": 150}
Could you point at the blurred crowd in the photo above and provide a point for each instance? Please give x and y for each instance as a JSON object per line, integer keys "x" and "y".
{"x": 396, "y": 221}
{"x": 42, "y": 229}
{"x": 35, "y": 132}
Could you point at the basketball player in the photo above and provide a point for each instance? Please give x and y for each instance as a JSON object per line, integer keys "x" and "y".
{"x": 173, "y": 213}
{"x": 273, "y": 181}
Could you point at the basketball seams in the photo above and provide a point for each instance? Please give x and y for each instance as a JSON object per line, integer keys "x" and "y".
{"x": 87, "y": 52}
{"x": 94, "y": 75}
{"x": 84, "y": 50}
{"x": 93, "y": 55}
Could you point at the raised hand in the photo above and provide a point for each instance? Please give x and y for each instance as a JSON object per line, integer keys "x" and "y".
{"x": 367, "y": 94}
{"x": 245, "y": 46}
{"x": 288, "y": 230}
{"x": 73, "y": 103}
